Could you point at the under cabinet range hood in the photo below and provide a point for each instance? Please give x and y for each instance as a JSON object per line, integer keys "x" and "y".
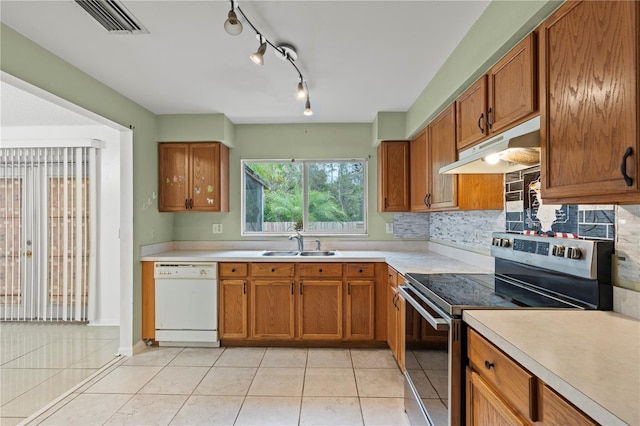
{"x": 515, "y": 149}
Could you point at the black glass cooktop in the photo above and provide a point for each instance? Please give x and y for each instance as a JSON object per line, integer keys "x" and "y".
{"x": 454, "y": 292}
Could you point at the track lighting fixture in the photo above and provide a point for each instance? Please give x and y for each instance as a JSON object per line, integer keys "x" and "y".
{"x": 285, "y": 52}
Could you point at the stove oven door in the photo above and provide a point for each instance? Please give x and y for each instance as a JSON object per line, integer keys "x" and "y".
{"x": 433, "y": 364}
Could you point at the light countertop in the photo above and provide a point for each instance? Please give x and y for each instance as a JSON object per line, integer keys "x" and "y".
{"x": 402, "y": 261}
{"x": 592, "y": 358}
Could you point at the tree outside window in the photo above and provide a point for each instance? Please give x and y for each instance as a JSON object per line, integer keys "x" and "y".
{"x": 313, "y": 196}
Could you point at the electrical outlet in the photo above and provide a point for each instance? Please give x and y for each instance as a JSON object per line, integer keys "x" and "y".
{"x": 216, "y": 228}
{"x": 476, "y": 235}
{"x": 390, "y": 228}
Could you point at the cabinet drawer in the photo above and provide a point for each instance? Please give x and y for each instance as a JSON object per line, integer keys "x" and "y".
{"x": 514, "y": 382}
{"x": 272, "y": 269}
{"x": 319, "y": 270}
{"x": 355, "y": 270}
{"x": 233, "y": 270}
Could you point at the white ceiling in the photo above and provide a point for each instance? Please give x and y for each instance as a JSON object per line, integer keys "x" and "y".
{"x": 359, "y": 57}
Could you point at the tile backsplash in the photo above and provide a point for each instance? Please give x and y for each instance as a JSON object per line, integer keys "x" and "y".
{"x": 525, "y": 211}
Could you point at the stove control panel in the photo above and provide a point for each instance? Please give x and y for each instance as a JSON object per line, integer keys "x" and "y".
{"x": 572, "y": 256}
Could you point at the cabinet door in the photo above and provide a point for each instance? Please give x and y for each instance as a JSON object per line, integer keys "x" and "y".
{"x": 393, "y": 176}
{"x": 442, "y": 151}
{"x": 173, "y": 172}
{"x": 419, "y": 166}
{"x": 589, "y": 102}
{"x": 401, "y": 330}
{"x": 205, "y": 176}
{"x": 485, "y": 406}
{"x": 555, "y": 410}
{"x": 512, "y": 86}
{"x": 320, "y": 309}
{"x": 272, "y": 309}
{"x": 360, "y": 303}
{"x": 392, "y": 324}
{"x": 148, "y": 301}
{"x": 233, "y": 309}
{"x": 471, "y": 117}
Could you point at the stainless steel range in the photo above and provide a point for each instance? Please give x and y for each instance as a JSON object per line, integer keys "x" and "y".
{"x": 531, "y": 272}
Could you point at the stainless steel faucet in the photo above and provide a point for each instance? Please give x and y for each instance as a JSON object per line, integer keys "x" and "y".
{"x": 300, "y": 239}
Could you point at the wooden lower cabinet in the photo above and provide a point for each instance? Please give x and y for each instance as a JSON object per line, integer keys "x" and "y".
{"x": 360, "y": 310}
{"x": 499, "y": 391}
{"x": 272, "y": 309}
{"x": 485, "y": 406}
{"x": 320, "y": 315}
{"x": 148, "y": 301}
{"x": 396, "y": 318}
{"x": 233, "y": 319}
{"x": 313, "y": 301}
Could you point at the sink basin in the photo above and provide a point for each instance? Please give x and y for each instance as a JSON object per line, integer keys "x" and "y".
{"x": 280, "y": 253}
{"x": 317, "y": 253}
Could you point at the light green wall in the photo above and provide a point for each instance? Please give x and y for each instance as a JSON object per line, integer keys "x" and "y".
{"x": 502, "y": 25}
{"x": 286, "y": 141}
{"x": 195, "y": 128}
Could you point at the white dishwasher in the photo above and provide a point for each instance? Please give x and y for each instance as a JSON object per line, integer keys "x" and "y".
{"x": 186, "y": 304}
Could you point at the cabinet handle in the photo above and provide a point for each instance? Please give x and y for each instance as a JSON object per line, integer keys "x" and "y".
{"x": 623, "y": 166}
{"x": 320, "y": 270}
{"x": 273, "y": 270}
{"x": 186, "y": 204}
{"x": 244, "y": 287}
{"x": 233, "y": 269}
{"x": 488, "y": 365}
{"x": 292, "y": 288}
{"x": 425, "y": 201}
{"x": 428, "y": 203}
{"x": 480, "y": 122}
{"x": 489, "y": 125}
{"x": 300, "y": 287}
{"x": 348, "y": 288}
{"x": 385, "y": 203}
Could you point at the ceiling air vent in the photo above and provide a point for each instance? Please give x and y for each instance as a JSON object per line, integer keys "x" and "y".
{"x": 113, "y": 16}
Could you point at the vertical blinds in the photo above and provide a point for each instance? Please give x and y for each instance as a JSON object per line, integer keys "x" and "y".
{"x": 48, "y": 233}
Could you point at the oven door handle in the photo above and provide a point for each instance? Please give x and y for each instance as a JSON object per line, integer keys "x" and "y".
{"x": 438, "y": 324}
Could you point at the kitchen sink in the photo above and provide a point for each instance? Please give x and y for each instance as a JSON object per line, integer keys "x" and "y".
{"x": 299, "y": 253}
{"x": 280, "y": 253}
{"x": 317, "y": 253}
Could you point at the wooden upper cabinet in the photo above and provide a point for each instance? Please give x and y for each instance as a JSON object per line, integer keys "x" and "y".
{"x": 419, "y": 166}
{"x": 512, "y": 86}
{"x": 502, "y": 98}
{"x": 393, "y": 176}
{"x": 589, "y": 103}
{"x": 471, "y": 114}
{"x": 193, "y": 177}
{"x": 431, "y": 149}
{"x": 442, "y": 151}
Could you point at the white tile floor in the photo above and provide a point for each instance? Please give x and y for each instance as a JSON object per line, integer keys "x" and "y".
{"x": 241, "y": 386}
{"x": 41, "y": 361}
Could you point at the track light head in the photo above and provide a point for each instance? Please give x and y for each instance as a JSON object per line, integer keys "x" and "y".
{"x": 301, "y": 91}
{"x": 258, "y": 56}
{"x": 307, "y": 107}
{"x": 233, "y": 25}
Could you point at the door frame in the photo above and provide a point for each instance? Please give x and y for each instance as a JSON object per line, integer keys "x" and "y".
{"x": 120, "y": 138}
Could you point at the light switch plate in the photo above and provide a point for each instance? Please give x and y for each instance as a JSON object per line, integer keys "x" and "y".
{"x": 216, "y": 228}
{"x": 390, "y": 228}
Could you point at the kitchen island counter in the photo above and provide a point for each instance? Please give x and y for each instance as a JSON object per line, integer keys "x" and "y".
{"x": 592, "y": 358}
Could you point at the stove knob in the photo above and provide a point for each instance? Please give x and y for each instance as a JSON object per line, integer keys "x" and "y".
{"x": 574, "y": 253}
{"x": 496, "y": 242}
{"x": 505, "y": 242}
{"x": 557, "y": 250}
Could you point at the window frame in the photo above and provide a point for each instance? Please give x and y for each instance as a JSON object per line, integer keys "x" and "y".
{"x": 305, "y": 199}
